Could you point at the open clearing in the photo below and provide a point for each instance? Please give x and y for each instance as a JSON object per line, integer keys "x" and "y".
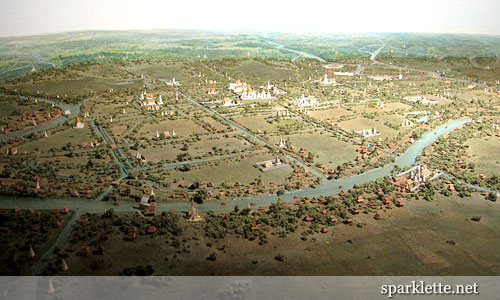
{"x": 331, "y": 152}
{"x": 485, "y": 155}
{"x": 181, "y": 127}
{"x": 364, "y": 123}
{"x": 166, "y": 71}
{"x": 253, "y": 69}
{"x": 73, "y": 87}
{"x": 424, "y": 238}
{"x": 230, "y": 171}
{"x": 329, "y": 114}
{"x": 392, "y": 106}
{"x": 58, "y": 140}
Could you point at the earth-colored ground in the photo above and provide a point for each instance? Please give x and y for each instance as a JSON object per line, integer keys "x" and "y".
{"x": 329, "y": 114}
{"x": 487, "y": 162}
{"x": 423, "y": 238}
{"x": 37, "y": 231}
{"x": 252, "y": 68}
{"x": 74, "y": 87}
{"x": 204, "y": 148}
{"x": 181, "y": 128}
{"x": 230, "y": 171}
{"x": 331, "y": 152}
{"x": 364, "y": 123}
{"x": 58, "y": 140}
{"x": 387, "y": 107}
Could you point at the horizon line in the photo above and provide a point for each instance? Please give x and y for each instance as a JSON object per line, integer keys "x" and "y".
{"x": 245, "y": 30}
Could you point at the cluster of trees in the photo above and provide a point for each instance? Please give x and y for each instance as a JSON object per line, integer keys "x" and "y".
{"x": 283, "y": 220}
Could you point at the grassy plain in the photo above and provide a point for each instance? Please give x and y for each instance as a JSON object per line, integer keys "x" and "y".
{"x": 423, "y": 238}
{"x": 485, "y": 154}
{"x": 58, "y": 140}
{"x": 72, "y": 87}
{"x": 364, "y": 123}
{"x": 253, "y": 69}
{"x": 331, "y": 152}
{"x": 181, "y": 127}
{"x": 233, "y": 170}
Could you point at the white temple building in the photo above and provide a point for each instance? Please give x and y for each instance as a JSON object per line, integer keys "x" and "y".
{"x": 420, "y": 99}
{"x": 173, "y": 83}
{"x": 274, "y": 89}
{"x": 254, "y": 95}
{"x": 368, "y": 132}
{"x": 239, "y": 87}
{"x": 328, "y": 81}
{"x": 307, "y": 101}
{"x": 406, "y": 123}
{"x": 350, "y": 74}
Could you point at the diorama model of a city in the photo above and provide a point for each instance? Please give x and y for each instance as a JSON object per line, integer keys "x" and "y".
{"x": 191, "y": 152}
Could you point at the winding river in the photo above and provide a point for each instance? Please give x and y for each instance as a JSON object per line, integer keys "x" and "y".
{"x": 301, "y": 53}
{"x": 326, "y": 188}
{"x": 74, "y": 109}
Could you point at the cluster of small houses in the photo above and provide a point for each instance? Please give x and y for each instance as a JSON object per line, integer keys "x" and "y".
{"x": 496, "y": 130}
{"x": 363, "y": 153}
{"x": 72, "y": 191}
{"x": 166, "y": 134}
{"x": 173, "y": 83}
{"x": 490, "y": 90}
{"x": 36, "y": 117}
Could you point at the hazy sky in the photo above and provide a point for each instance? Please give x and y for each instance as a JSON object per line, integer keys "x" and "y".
{"x": 24, "y": 17}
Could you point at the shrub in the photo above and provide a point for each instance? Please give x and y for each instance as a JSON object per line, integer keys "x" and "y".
{"x": 212, "y": 256}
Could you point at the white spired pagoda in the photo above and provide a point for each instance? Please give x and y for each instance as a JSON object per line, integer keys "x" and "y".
{"x": 78, "y": 124}
{"x": 193, "y": 215}
{"x": 328, "y": 81}
{"x": 282, "y": 143}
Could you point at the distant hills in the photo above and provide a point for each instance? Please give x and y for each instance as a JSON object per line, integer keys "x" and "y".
{"x": 19, "y": 55}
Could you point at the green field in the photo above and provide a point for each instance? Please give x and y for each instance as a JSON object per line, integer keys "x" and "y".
{"x": 72, "y": 87}
{"x": 203, "y": 148}
{"x": 451, "y": 232}
{"x": 485, "y": 154}
{"x": 331, "y": 152}
{"x": 179, "y": 71}
{"x": 364, "y": 123}
{"x": 388, "y": 106}
{"x": 330, "y": 114}
{"x": 259, "y": 124}
{"x": 181, "y": 127}
{"x": 253, "y": 70}
{"x": 74, "y": 137}
{"x": 231, "y": 171}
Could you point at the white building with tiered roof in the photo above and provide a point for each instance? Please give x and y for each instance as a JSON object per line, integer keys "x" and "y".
{"x": 304, "y": 101}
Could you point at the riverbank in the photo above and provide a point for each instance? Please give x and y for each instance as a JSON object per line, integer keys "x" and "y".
{"x": 327, "y": 187}
{"x": 423, "y": 238}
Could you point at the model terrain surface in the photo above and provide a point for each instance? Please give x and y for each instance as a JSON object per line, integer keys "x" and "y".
{"x": 223, "y": 153}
